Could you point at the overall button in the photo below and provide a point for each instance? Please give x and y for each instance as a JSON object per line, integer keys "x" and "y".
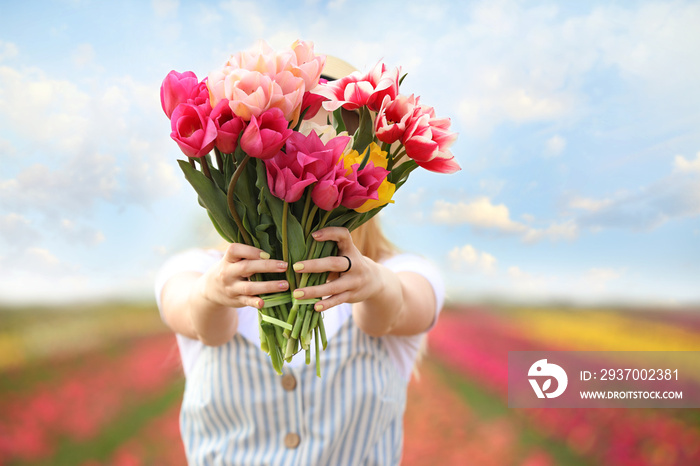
{"x": 292, "y": 440}
{"x": 289, "y": 383}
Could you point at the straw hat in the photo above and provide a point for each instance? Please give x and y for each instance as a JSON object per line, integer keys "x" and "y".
{"x": 336, "y": 68}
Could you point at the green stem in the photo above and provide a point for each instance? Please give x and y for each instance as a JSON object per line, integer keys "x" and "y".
{"x": 318, "y": 360}
{"x": 322, "y": 330}
{"x": 307, "y": 205}
{"x": 306, "y": 326}
{"x": 291, "y": 318}
{"x": 205, "y": 167}
{"x": 310, "y": 221}
{"x": 291, "y": 349}
{"x": 231, "y": 203}
{"x": 219, "y": 160}
{"x": 399, "y": 157}
{"x": 285, "y": 247}
{"x": 314, "y": 320}
{"x": 298, "y": 321}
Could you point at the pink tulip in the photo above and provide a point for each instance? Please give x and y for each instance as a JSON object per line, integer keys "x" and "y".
{"x": 312, "y": 104}
{"x": 228, "y": 127}
{"x": 193, "y": 130}
{"x": 363, "y": 185}
{"x": 320, "y": 159}
{"x": 178, "y": 88}
{"x": 357, "y": 90}
{"x": 385, "y": 82}
{"x": 265, "y": 136}
{"x": 288, "y": 94}
{"x": 287, "y": 177}
{"x": 308, "y": 65}
{"x": 427, "y": 140}
{"x": 327, "y": 193}
{"x": 393, "y": 117}
{"x": 200, "y": 96}
{"x": 444, "y": 163}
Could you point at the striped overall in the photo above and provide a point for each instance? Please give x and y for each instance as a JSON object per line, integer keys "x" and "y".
{"x": 237, "y": 411}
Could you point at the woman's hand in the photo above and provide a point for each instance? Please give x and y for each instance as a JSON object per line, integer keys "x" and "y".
{"x": 400, "y": 303}
{"x": 227, "y": 283}
{"x": 352, "y": 286}
{"x": 202, "y": 306}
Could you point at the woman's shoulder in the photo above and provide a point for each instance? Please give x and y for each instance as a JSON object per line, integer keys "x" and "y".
{"x": 410, "y": 262}
{"x": 190, "y": 260}
{"x": 194, "y": 259}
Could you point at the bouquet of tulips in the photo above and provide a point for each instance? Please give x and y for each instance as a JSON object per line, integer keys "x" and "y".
{"x": 275, "y": 177}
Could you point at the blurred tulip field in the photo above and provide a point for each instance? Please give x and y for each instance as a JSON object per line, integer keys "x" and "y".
{"x": 101, "y": 385}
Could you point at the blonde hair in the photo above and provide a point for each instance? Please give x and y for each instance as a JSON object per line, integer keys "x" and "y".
{"x": 371, "y": 242}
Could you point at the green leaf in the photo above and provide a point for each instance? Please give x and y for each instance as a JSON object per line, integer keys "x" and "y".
{"x": 365, "y": 132}
{"x": 365, "y": 159}
{"x": 295, "y": 234}
{"x": 229, "y": 168}
{"x": 218, "y": 228}
{"x": 218, "y": 178}
{"x": 402, "y": 170}
{"x": 213, "y": 198}
{"x": 277, "y": 322}
{"x": 338, "y": 122}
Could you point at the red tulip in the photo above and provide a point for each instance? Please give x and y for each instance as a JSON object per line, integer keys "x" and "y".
{"x": 193, "y": 130}
{"x": 179, "y": 88}
{"x": 266, "y": 134}
{"x": 228, "y": 127}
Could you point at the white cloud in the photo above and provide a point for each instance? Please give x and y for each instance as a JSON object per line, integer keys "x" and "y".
{"x": 107, "y": 144}
{"x": 591, "y": 205}
{"x": 567, "y": 230}
{"x": 6, "y": 149}
{"x": 17, "y": 230}
{"x": 44, "y": 110}
{"x": 555, "y": 145}
{"x": 480, "y": 213}
{"x": 73, "y": 187}
{"x": 40, "y": 258}
{"x": 8, "y": 50}
{"x": 532, "y": 63}
{"x": 164, "y": 8}
{"x": 336, "y": 4}
{"x": 684, "y": 165}
{"x": 83, "y": 55}
{"x": 603, "y": 275}
{"x": 81, "y": 234}
{"x": 676, "y": 195}
{"x": 468, "y": 257}
{"x": 247, "y": 16}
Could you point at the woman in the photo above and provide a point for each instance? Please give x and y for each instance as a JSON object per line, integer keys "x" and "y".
{"x": 377, "y": 306}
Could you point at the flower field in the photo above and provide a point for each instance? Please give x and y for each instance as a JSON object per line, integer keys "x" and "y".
{"x": 102, "y": 386}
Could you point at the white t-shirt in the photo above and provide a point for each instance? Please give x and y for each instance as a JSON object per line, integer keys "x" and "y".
{"x": 402, "y": 349}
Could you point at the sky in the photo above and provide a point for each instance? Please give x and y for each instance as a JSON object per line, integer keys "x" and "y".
{"x": 578, "y": 139}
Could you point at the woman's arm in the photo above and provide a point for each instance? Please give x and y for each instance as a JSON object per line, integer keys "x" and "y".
{"x": 388, "y": 303}
{"x": 203, "y": 306}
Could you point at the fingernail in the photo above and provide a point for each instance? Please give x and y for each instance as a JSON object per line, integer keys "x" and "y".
{"x": 261, "y": 303}
{"x": 298, "y": 266}
{"x": 282, "y": 265}
{"x": 298, "y": 294}
{"x": 318, "y": 307}
{"x": 283, "y": 285}
{"x": 316, "y": 234}
{"x": 264, "y": 255}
